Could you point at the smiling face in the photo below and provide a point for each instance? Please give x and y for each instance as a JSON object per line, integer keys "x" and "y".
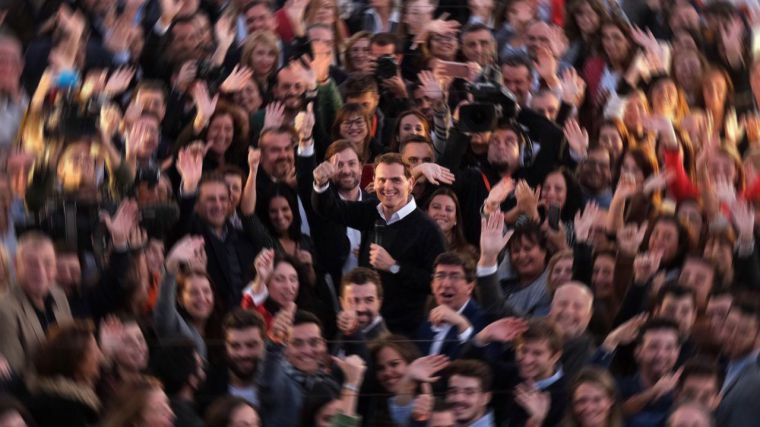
{"x": 306, "y": 349}
{"x": 417, "y": 153}
{"x": 363, "y": 299}
{"x": 392, "y": 186}
{"x": 443, "y": 211}
{"x": 630, "y": 168}
{"x": 592, "y": 404}
{"x": 283, "y": 284}
{"x": 411, "y": 125}
{"x": 571, "y": 309}
{"x": 220, "y": 133}
{"x": 355, "y": 129}
{"x": 467, "y": 398}
{"x": 280, "y": 214}
{"x": 664, "y": 238}
{"x": 390, "y": 369}
{"x": 349, "y": 169}
{"x": 277, "y": 155}
{"x": 528, "y": 258}
{"x": 134, "y": 350}
{"x": 554, "y": 190}
{"x": 197, "y": 297}
{"x": 615, "y": 44}
{"x": 535, "y": 360}
{"x": 586, "y": 19}
{"x": 213, "y": 204}
{"x": 657, "y": 353}
{"x": 601, "y": 276}
{"x": 562, "y": 272}
{"x": 244, "y": 348}
{"x": 359, "y": 53}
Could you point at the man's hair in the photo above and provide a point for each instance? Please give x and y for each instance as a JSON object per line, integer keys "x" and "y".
{"x": 386, "y": 39}
{"x": 175, "y": 363}
{"x": 212, "y": 178}
{"x": 363, "y": 276}
{"x": 518, "y": 60}
{"x": 699, "y": 366}
{"x": 677, "y": 291}
{"x": 658, "y": 324}
{"x": 542, "y": 329}
{"x": 303, "y": 317}
{"x": 253, "y": 3}
{"x": 356, "y": 86}
{"x": 531, "y": 231}
{"x": 339, "y": 146}
{"x": 230, "y": 170}
{"x": 239, "y": 318}
{"x": 152, "y": 85}
{"x": 280, "y": 130}
{"x": 474, "y": 28}
{"x": 472, "y": 368}
{"x": 746, "y": 308}
{"x": 416, "y": 139}
{"x": 62, "y": 353}
{"x": 456, "y": 259}
{"x": 32, "y": 239}
{"x": 393, "y": 159}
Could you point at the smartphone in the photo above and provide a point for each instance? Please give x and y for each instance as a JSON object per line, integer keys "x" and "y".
{"x": 455, "y": 69}
{"x": 553, "y": 216}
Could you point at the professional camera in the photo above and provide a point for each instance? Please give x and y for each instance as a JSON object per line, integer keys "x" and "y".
{"x": 147, "y": 174}
{"x": 66, "y": 116}
{"x": 386, "y": 68}
{"x": 493, "y": 103}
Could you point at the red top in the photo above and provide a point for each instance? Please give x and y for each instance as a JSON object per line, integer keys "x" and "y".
{"x": 249, "y": 304}
{"x": 681, "y": 187}
{"x": 284, "y": 27}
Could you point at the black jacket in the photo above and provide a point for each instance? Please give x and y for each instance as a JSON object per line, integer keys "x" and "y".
{"x": 414, "y": 242}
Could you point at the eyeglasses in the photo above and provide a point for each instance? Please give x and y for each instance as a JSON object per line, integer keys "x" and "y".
{"x": 359, "y": 123}
{"x": 455, "y": 277}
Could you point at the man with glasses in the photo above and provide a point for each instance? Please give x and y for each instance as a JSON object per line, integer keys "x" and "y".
{"x": 468, "y": 393}
{"x": 456, "y": 317}
{"x": 284, "y": 382}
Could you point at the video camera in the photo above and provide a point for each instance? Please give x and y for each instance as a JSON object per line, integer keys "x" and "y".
{"x": 65, "y": 116}
{"x": 492, "y": 103}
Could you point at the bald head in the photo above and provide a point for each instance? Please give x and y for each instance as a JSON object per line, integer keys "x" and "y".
{"x": 571, "y": 308}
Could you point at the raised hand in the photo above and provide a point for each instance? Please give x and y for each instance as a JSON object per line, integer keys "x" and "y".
{"x": 204, "y": 105}
{"x": 108, "y": 122}
{"x": 498, "y": 194}
{"x": 274, "y": 115}
{"x": 121, "y": 223}
{"x": 347, "y": 321}
{"x": 434, "y": 173}
{"x": 527, "y": 198}
{"x": 264, "y": 265}
{"x": 533, "y": 401}
{"x": 186, "y": 75}
{"x": 626, "y": 333}
{"x": 666, "y": 383}
{"x": 169, "y": 10}
{"x": 72, "y": 23}
{"x": 119, "y": 81}
{"x": 237, "y": 79}
{"x": 224, "y": 30}
{"x": 584, "y": 221}
{"x": 111, "y": 335}
{"x": 425, "y": 368}
{"x": 546, "y": 66}
{"x": 573, "y": 87}
{"x": 724, "y": 190}
{"x": 422, "y": 408}
{"x": 430, "y": 86}
{"x": 626, "y": 187}
{"x": 190, "y": 250}
{"x": 503, "y": 330}
{"x": 138, "y": 238}
{"x": 254, "y": 158}
{"x": 190, "y": 168}
{"x": 324, "y": 173}
{"x": 353, "y": 368}
{"x": 577, "y": 138}
{"x": 733, "y": 128}
{"x": 492, "y": 238}
{"x": 645, "y": 266}
{"x": 629, "y": 238}
{"x": 282, "y": 323}
{"x": 744, "y": 220}
{"x": 304, "y": 123}
{"x": 658, "y": 182}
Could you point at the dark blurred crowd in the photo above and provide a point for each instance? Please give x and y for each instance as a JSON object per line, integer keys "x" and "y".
{"x": 407, "y": 213}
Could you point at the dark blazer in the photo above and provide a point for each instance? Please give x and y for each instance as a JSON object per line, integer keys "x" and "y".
{"x": 247, "y": 243}
{"x": 413, "y": 242}
{"x": 331, "y": 243}
{"x": 451, "y": 346}
{"x": 739, "y": 407}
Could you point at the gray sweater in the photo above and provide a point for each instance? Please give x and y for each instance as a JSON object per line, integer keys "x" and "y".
{"x": 168, "y": 322}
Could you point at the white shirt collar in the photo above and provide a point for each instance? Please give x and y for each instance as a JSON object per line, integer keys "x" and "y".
{"x": 399, "y": 214}
{"x": 374, "y": 323}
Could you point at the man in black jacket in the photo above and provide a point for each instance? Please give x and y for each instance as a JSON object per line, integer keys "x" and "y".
{"x": 205, "y": 210}
{"x": 398, "y": 239}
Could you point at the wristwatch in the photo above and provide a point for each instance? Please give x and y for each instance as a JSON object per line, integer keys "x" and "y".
{"x": 395, "y": 268}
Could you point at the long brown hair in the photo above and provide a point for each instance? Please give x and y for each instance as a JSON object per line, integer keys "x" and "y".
{"x": 130, "y": 403}
{"x": 599, "y": 378}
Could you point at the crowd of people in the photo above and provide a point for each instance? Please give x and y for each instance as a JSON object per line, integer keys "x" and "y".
{"x": 283, "y": 213}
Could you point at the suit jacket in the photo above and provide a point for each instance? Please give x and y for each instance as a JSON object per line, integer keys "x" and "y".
{"x": 739, "y": 407}
{"x": 20, "y": 329}
{"x": 451, "y": 346}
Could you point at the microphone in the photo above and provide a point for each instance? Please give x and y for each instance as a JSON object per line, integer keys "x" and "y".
{"x": 379, "y": 232}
